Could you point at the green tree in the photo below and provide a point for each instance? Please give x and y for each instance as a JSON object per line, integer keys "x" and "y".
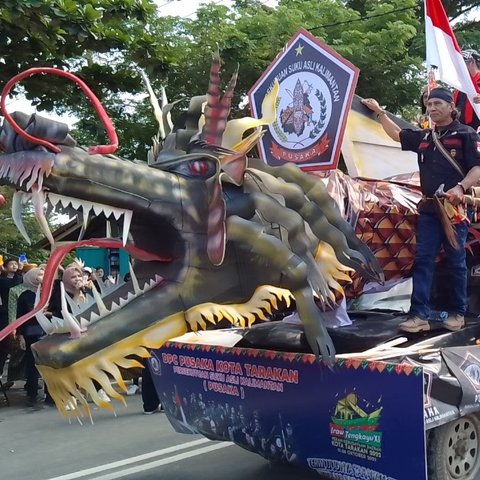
{"x": 458, "y": 8}
{"x": 376, "y": 37}
{"x": 464, "y": 24}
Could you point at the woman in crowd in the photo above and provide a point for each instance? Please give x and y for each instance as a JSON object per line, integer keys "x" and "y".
{"x": 74, "y": 284}
{"x": 30, "y": 332}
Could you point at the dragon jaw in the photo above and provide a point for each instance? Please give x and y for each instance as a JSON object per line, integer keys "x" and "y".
{"x": 104, "y": 365}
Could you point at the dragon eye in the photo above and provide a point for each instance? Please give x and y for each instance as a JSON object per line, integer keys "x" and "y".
{"x": 199, "y": 167}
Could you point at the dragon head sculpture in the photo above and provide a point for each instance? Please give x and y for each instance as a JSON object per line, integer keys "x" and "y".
{"x": 211, "y": 235}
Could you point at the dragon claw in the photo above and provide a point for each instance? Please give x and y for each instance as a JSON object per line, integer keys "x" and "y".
{"x": 320, "y": 343}
{"x": 315, "y": 332}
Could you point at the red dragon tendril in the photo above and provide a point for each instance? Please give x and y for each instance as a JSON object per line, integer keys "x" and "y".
{"x": 107, "y": 123}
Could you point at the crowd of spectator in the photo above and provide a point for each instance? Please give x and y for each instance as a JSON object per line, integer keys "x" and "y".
{"x": 19, "y": 283}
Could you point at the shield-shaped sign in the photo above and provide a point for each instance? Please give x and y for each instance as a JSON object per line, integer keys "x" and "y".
{"x": 316, "y": 90}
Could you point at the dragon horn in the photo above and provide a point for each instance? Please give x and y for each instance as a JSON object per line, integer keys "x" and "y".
{"x": 166, "y": 107}
{"x": 249, "y": 142}
{"x": 157, "y": 111}
{"x": 161, "y": 112}
{"x": 232, "y": 137}
{"x": 226, "y": 101}
{"x": 218, "y": 107}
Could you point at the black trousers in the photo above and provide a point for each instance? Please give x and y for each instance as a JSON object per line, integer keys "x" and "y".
{"x": 4, "y": 351}
{"x": 149, "y": 395}
{"x": 31, "y": 373}
{"x": 16, "y": 365}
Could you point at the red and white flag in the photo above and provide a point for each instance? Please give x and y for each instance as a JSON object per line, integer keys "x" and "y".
{"x": 444, "y": 53}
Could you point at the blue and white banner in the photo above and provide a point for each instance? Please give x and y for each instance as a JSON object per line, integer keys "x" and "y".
{"x": 356, "y": 421}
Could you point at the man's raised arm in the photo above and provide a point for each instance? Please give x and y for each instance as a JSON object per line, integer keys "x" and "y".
{"x": 390, "y": 127}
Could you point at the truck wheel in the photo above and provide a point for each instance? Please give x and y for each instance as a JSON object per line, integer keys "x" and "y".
{"x": 453, "y": 450}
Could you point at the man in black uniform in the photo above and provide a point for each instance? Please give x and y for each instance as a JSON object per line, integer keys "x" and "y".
{"x": 463, "y": 144}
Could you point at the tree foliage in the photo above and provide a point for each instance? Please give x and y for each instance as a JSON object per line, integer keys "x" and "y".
{"x": 458, "y": 8}
{"x": 65, "y": 33}
{"x": 106, "y": 41}
{"x": 375, "y": 37}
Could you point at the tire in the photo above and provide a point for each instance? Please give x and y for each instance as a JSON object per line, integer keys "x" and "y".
{"x": 453, "y": 450}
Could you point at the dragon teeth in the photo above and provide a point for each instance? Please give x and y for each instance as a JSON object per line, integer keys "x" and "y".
{"x": 117, "y": 213}
{"x": 94, "y": 317}
{"x": 53, "y": 198}
{"x": 45, "y": 323}
{"x": 86, "y": 213}
{"x": 127, "y": 220}
{"x": 102, "y": 309}
{"x": 84, "y": 323}
{"x": 58, "y": 325}
{"x": 41, "y": 198}
{"x": 86, "y": 206}
{"x": 133, "y": 277}
{"x": 18, "y": 199}
{"x": 113, "y": 307}
{"x": 38, "y": 199}
{"x": 77, "y": 204}
{"x": 65, "y": 202}
{"x": 70, "y": 324}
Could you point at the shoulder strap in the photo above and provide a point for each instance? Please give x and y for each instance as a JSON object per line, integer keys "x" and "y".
{"x": 445, "y": 153}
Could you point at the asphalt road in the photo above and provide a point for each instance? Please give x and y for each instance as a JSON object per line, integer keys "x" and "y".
{"x": 39, "y": 444}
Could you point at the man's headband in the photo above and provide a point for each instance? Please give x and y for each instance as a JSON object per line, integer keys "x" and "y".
{"x": 442, "y": 94}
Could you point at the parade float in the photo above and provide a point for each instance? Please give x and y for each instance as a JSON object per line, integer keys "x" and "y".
{"x": 219, "y": 239}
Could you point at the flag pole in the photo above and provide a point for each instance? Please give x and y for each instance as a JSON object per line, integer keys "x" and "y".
{"x": 431, "y": 84}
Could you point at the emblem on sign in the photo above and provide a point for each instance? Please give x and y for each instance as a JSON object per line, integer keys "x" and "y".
{"x": 303, "y": 113}
{"x": 316, "y": 87}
